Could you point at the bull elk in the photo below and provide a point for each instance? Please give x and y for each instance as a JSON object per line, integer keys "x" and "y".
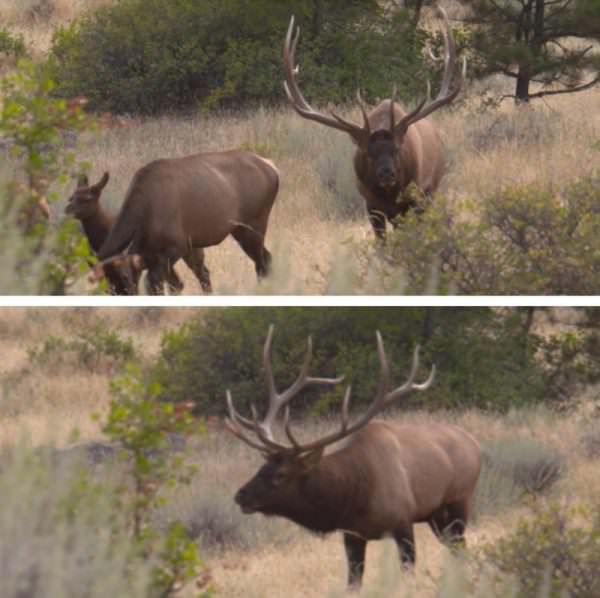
{"x": 174, "y": 208}
{"x": 84, "y": 205}
{"x": 378, "y": 480}
{"x": 393, "y": 148}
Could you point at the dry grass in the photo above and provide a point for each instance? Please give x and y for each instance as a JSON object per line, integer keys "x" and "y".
{"x": 318, "y": 217}
{"x": 251, "y": 555}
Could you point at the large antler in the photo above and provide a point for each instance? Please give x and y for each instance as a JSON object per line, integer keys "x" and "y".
{"x": 302, "y": 107}
{"x": 445, "y": 95}
{"x": 277, "y": 401}
{"x": 384, "y": 398}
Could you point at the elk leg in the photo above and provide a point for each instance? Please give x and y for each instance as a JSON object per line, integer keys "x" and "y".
{"x": 448, "y": 524}
{"x": 251, "y": 241}
{"x": 405, "y": 539}
{"x": 195, "y": 261}
{"x": 355, "y": 553}
{"x": 377, "y": 220}
{"x": 173, "y": 280}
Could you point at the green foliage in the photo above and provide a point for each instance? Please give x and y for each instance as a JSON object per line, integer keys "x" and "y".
{"x": 12, "y": 46}
{"x": 60, "y": 533}
{"x": 524, "y": 41}
{"x": 182, "y": 55}
{"x": 223, "y": 350}
{"x": 96, "y": 348}
{"x": 514, "y": 467}
{"x": 520, "y": 240}
{"x": 41, "y": 131}
{"x": 143, "y": 426}
{"x": 553, "y": 551}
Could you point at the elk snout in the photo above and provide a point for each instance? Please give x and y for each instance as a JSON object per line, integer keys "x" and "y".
{"x": 242, "y": 500}
{"x": 386, "y": 175}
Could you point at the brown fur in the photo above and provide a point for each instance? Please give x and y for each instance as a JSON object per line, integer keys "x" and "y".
{"x": 379, "y": 482}
{"x": 419, "y": 158}
{"x": 84, "y": 205}
{"x": 174, "y": 208}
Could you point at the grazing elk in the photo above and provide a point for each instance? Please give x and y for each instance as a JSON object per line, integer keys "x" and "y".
{"x": 378, "y": 480}
{"x": 393, "y": 148}
{"x": 84, "y": 205}
{"x": 176, "y": 207}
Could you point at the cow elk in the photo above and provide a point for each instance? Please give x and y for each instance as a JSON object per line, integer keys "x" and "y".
{"x": 84, "y": 205}
{"x": 377, "y": 479}
{"x": 176, "y": 207}
{"x": 394, "y": 148}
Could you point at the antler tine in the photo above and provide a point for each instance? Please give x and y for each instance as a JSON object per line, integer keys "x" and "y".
{"x": 298, "y": 101}
{"x": 235, "y": 416}
{"x": 392, "y": 107}
{"x": 288, "y": 430}
{"x": 445, "y": 96}
{"x": 235, "y": 429}
{"x": 361, "y": 104}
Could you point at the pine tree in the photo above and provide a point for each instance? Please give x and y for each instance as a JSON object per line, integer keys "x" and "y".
{"x": 549, "y": 42}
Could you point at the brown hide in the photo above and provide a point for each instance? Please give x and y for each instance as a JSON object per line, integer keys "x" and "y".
{"x": 368, "y": 479}
{"x": 383, "y": 478}
{"x": 176, "y": 207}
{"x": 84, "y": 205}
{"x": 420, "y": 159}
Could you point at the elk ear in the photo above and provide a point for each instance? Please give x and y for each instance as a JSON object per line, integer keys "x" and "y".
{"x": 83, "y": 181}
{"x": 311, "y": 460}
{"x": 101, "y": 183}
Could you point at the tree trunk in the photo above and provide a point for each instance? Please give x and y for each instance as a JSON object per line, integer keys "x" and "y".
{"x": 523, "y": 80}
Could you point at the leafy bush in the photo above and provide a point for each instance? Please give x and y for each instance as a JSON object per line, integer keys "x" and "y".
{"x": 150, "y": 56}
{"x": 40, "y": 131}
{"x": 520, "y": 240}
{"x": 553, "y": 551}
{"x": 95, "y": 349}
{"x": 12, "y": 46}
{"x": 481, "y": 355}
{"x": 514, "y": 467}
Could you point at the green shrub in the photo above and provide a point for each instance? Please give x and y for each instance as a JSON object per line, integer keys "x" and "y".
{"x": 12, "y": 46}
{"x": 552, "y": 552}
{"x": 514, "y": 467}
{"x": 60, "y": 535}
{"x": 96, "y": 349}
{"x": 481, "y": 356}
{"x": 151, "y": 56}
{"x": 519, "y": 240}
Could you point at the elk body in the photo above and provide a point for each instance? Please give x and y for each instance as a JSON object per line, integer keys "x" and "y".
{"x": 176, "y": 207}
{"x": 394, "y": 149}
{"x": 377, "y": 479}
{"x": 84, "y": 205}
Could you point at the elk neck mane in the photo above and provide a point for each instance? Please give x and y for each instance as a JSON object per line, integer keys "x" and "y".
{"x": 97, "y": 228}
{"x": 332, "y": 494}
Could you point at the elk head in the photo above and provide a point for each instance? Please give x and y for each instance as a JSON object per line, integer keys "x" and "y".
{"x": 84, "y": 201}
{"x": 275, "y": 489}
{"x": 379, "y": 146}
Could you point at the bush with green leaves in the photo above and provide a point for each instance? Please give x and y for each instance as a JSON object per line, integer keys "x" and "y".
{"x": 535, "y": 239}
{"x": 143, "y": 427}
{"x": 552, "y": 552}
{"x": 484, "y": 358}
{"x": 98, "y": 348}
{"x": 41, "y": 133}
{"x": 60, "y": 534}
{"x": 152, "y": 56}
{"x": 12, "y": 46}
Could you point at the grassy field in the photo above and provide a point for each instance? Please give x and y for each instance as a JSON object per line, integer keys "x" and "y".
{"x": 318, "y": 232}
{"x": 252, "y": 555}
